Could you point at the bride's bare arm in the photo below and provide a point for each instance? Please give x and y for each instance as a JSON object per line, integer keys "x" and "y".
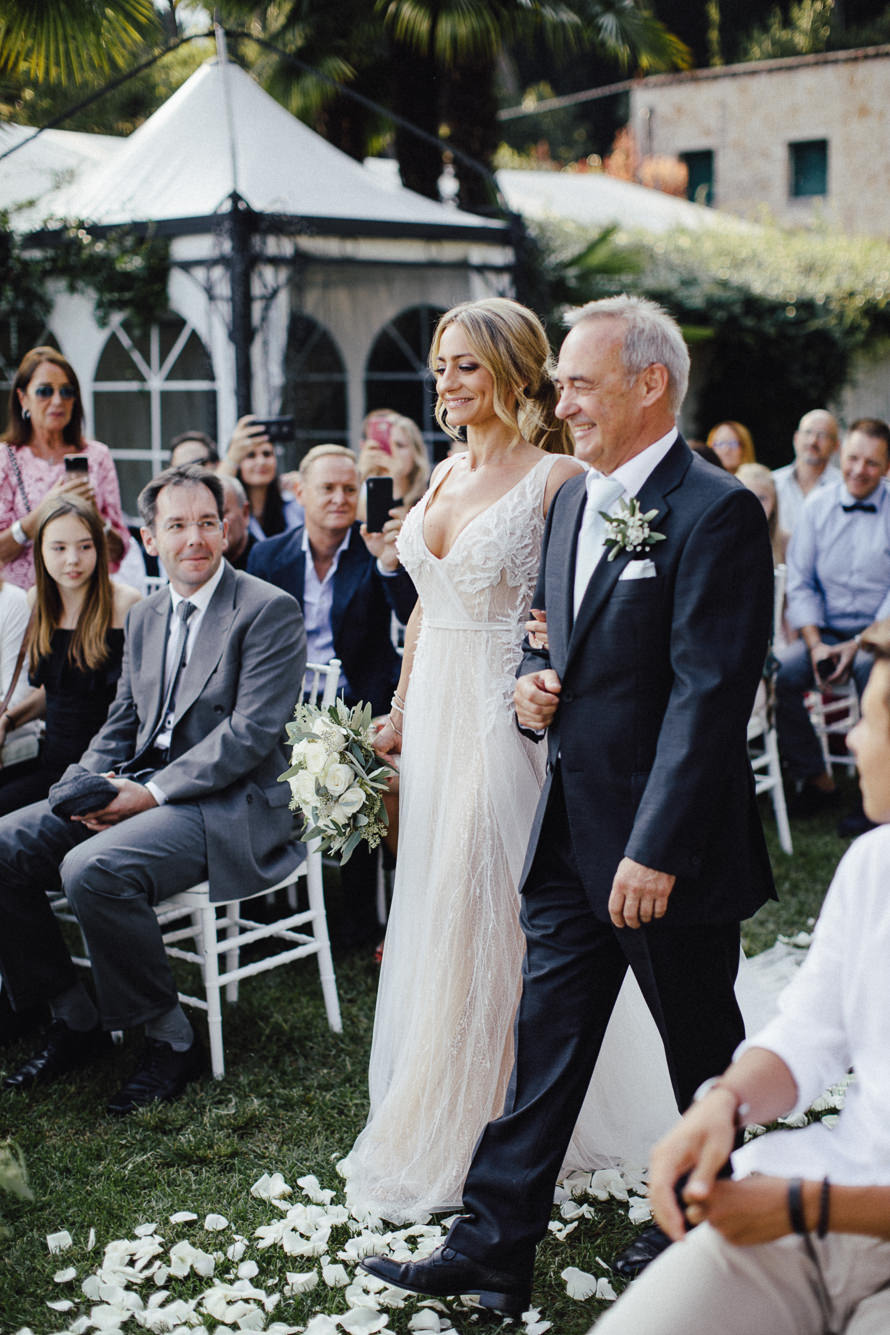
{"x": 389, "y": 738}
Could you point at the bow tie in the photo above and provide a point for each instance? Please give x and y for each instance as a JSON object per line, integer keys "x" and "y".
{"x": 867, "y": 508}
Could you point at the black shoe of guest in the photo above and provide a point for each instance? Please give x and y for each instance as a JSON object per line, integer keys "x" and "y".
{"x": 65, "y": 1050}
{"x": 161, "y": 1076}
{"x": 643, "y": 1250}
{"x": 447, "y": 1272}
{"x": 812, "y": 801}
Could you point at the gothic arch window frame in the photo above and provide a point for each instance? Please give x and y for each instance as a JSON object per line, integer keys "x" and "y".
{"x": 415, "y": 372}
{"x": 298, "y": 372}
{"x": 155, "y": 380}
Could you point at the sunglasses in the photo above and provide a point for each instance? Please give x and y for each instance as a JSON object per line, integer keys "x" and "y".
{"x": 47, "y": 391}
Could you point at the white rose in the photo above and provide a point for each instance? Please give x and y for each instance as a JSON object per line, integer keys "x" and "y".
{"x": 314, "y": 757}
{"x": 303, "y": 788}
{"x": 352, "y": 800}
{"x": 330, "y": 731}
{"x": 337, "y": 778}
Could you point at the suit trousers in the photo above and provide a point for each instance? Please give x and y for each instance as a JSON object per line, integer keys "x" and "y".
{"x": 111, "y": 880}
{"x": 574, "y": 967}
{"x": 705, "y": 1284}
{"x": 798, "y": 744}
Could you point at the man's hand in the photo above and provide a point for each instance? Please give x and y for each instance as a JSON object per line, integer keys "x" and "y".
{"x": 748, "y": 1212}
{"x": 536, "y": 629}
{"x": 699, "y": 1145}
{"x": 639, "y": 893}
{"x": 536, "y": 697}
{"x": 383, "y": 544}
{"x": 131, "y": 799}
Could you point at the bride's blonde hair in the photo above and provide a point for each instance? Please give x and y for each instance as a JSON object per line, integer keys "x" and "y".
{"x": 509, "y": 341}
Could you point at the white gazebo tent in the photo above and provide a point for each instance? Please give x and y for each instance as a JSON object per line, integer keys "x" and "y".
{"x": 346, "y": 270}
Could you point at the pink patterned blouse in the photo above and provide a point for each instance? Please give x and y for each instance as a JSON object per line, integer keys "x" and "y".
{"x": 38, "y": 475}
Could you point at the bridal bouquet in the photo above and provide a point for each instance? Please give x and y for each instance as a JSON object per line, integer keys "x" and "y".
{"x": 336, "y": 778}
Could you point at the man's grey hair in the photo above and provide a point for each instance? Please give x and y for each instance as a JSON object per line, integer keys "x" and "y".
{"x": 650, "y": 335}
{"x": 233, "y": 485}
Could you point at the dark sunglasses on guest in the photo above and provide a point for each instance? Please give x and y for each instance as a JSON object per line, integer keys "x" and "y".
{"x": 47, "y": 391}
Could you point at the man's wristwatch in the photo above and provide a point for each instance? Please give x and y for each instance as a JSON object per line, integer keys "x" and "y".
{"x": 742, "y": 1108}
{"x": 19, "y": 533}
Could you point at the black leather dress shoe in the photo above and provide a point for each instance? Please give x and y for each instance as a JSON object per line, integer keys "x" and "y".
{"x": 446, "y": 1272}
{"x": 644, "y": 1249}
{"x": 65, "y": 1050}
{"x": 161, "y": 1076}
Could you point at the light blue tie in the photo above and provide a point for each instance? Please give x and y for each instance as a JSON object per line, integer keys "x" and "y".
{"x": 602, "y": 492}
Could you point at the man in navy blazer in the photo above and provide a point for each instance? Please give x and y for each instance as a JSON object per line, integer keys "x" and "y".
{"x": 348, "y": 587}
{"x": 647, "y": 847}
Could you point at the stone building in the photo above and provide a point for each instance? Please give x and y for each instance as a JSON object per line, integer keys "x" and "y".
{"x": 807, "y": 137}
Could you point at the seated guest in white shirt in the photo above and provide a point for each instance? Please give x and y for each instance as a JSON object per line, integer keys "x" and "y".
{"x": 799, "y": 1240}
{"x": 815, "y": 443}
{"x": 838, "y": 583}
{"x": 348, "y": 583}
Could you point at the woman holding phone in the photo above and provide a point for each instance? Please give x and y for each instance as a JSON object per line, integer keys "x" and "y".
{"x": 253, "y": 460}
{"x": 75, "y": 647}
{"x": 394, "y": 447}
{"x": 42, "y": 442}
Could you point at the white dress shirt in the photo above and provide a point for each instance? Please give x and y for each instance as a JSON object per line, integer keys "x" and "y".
{"x": 200, "y": 600}
{"x": 833, "y": 1016}
{"x": 633, "y": 475}
{"x": 790, "y": 496}
{"x": 318, "y": 602}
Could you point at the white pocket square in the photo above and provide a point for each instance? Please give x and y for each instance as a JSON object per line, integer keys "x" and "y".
{"x": 638, "y": 570}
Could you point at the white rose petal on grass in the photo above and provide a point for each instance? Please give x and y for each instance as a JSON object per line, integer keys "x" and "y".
{"x": 237, "y": 1250}
{"x": 248, "y": 1270}
{"x": 183, "y": 1217}
{"x": 425, "y": 1320}
{"x": 270, "y": 1187}
{"x": 639, "y": 1210}
{"x": 321, "y": 1325}
{"x": 335, "y": 1276}
{"x": 215, "y": 1223}
{"x": 579, "y": 1285}
{"x": 61, "y": 1305}
{"x": 58, "y": 1242}
{"x": 65, "y": 1276}
{"x": 363, "y": 1321}
{"x": 604, "y": 1291}
{"x": 608, "y": 1182}
{"x": 91, "y": 1240}
{"x": 311, "y": 1187}
{"x": 301, "y": 1281}
{"x": 145, "y": 1230}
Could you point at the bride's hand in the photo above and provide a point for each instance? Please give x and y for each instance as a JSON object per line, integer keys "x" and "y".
{"x": 387, "y": 741}
{"x": 536, "y": 629}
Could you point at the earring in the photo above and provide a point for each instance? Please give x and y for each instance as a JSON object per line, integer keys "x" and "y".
{"x": 26, "y": 415}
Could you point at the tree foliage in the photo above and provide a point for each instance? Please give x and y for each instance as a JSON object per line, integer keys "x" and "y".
{"x": 777, "y": 316}
{"x": 61, "y": 40}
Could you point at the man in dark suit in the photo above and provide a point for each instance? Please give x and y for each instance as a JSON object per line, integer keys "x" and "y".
{"x": 348, "y": 584}
{"x": 647, "y": 847}
{"x": 211, "y": 671}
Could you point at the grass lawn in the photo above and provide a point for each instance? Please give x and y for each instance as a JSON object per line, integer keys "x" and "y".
{"x": 293, "y": 1101}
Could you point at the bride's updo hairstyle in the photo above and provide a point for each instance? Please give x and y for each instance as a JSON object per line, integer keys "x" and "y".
{"x": 509, "y": 341}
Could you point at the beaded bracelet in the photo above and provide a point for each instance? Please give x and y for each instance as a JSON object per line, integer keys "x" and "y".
{"x": 392, "y": 724}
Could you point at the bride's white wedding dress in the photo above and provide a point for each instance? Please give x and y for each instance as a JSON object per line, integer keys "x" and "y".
{"x": 469, "y": 783}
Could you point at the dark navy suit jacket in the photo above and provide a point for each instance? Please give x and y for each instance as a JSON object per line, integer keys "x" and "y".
{"x": 658, "y": 681}
{"x": 361, "y": 615}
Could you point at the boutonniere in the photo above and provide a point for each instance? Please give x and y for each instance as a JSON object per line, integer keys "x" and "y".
{"x": 629, "y": 530}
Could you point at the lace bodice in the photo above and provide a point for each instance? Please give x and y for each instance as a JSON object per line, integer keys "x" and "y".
{"x": 489, "y": 574}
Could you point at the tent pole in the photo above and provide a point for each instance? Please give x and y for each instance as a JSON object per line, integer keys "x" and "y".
{"x": 241, "y": 333}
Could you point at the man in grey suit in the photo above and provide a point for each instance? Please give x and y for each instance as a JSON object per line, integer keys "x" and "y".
{"x": 193, "y": 743}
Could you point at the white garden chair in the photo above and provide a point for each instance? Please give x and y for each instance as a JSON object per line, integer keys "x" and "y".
{"x": 763, "y": 744}
{"x": 212, "y": 934}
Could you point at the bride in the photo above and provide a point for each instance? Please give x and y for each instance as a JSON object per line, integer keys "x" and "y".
{"x": 469, "y": 782}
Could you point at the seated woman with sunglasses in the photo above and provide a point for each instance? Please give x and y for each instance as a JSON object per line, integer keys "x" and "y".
{"x": 46, "y": 428}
